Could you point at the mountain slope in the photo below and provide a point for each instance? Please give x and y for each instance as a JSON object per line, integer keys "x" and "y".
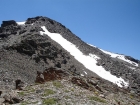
{"x": 40, "y": 43}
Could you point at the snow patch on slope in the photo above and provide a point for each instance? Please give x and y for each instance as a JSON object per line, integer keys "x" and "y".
{"x": 91, "y": 45}
{"x": 21, "y": 23}
{"x": 84, "y": 72}
{"x": 133, "y": 68}
{"x": 88, "y": 61}
{"x": 122, "y": 57}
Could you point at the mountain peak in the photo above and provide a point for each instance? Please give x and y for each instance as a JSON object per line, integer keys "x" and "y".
{"x": 31, "y": 49}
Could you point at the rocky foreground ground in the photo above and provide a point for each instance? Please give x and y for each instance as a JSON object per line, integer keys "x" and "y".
{"x": 69, "y": 91}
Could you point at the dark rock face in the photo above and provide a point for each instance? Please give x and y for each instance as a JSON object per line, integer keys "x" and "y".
{"x": 8, "y": 23}
{"x": 19, "y": 84}
{"x": 26, "y": 52}
{"x": 8, "y": 28}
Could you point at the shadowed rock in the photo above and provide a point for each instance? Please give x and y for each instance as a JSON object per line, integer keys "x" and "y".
{"x": 19, "y": 84}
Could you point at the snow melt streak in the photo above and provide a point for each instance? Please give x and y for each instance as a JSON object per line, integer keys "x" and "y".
{"x": 88, "y": 61}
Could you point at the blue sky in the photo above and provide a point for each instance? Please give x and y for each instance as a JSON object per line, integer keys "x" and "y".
{"x": 113, "y": 25}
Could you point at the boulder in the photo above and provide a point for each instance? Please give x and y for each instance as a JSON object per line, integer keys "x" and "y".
{"x": 19, "y": 84}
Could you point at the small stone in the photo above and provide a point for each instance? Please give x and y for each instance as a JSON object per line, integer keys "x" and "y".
{"x": 133, "y": 92}
{"x": 38, "y": 91}
{"x": 2, "y": 100}
{"x": 101, "y": 95}
{"x": 16, "y": 100}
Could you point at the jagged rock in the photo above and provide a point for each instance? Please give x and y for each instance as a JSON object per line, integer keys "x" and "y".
{"x": 40, "y": 77}
{"x": 58, "y": 65}
{"x": 92, "y": 82}
{"x": 19, "y": 84}
{"x": 10, "y": 97}
{"x": 80, "y": 82}
{"x": 7, "y": 99}
{"x": 16, "y": 100}
{"x": 98, "y": 64}
{"x": 132, "y": 59}
{"x": 39, "y": 91}
{"x": 7, "y": 23}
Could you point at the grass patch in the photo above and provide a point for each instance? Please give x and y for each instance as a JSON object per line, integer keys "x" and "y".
{"x": 29, "y": 89}
{"x": 21, "y": 93}
{"x": 97, "y": 99}
{"x": 67, "y": 91}
{"x": 57, "y": 84}
{"x": 34, "y": 102}
{"x": 72, "y": 89}
{"x": 96, "y": 93}
{"x": 131, "y": 96}
{"x": 49, "y": 101}
{"x": 48, "y": 92}
{"x": 24, "y": 103}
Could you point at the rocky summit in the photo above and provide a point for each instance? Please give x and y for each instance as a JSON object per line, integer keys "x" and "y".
{"x": 43, "y": 63}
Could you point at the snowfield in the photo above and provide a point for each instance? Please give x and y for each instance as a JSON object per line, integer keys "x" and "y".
{"x": 21, "y": 23}
{"x": 122, "y": 57}
{"x": 88, "y": 61}
{"x": 91, "y": 45}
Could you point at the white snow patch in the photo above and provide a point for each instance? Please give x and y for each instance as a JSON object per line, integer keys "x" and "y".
{"x": 91, "y": 45}
{"x": 119, "y": 56}
{"x": 82, "y": 75}
{"x": 85, "y": 72}
{"x": 88, "y": 61}
{"x": 21, "y": 23}
{"x": 132, "y": 68}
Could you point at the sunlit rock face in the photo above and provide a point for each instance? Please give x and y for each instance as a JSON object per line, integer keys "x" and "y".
{"x": 40, "y": 43}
